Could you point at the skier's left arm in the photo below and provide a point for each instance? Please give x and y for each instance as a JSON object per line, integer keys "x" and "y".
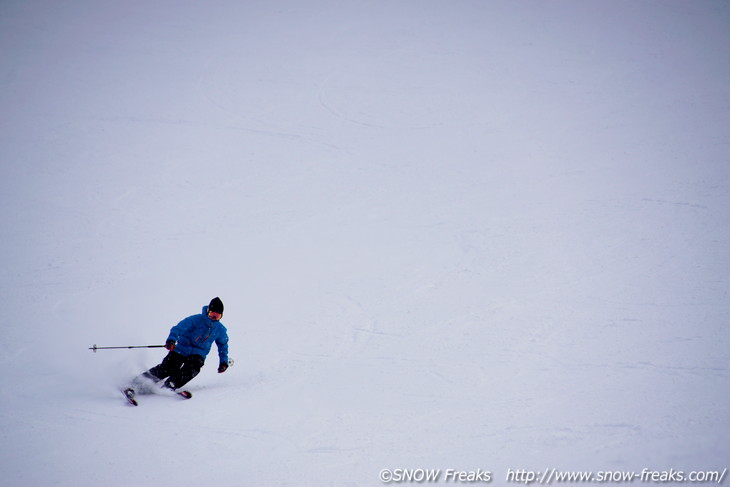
{"x": 222, "y": 344}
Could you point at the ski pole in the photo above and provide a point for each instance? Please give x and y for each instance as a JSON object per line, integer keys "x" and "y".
{"x": 95, "y": 348}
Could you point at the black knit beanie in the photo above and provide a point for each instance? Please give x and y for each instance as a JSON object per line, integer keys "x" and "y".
{"x": 216, "y": 305}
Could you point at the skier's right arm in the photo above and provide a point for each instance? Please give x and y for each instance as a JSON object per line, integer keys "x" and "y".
{"x": 176, "y": 331}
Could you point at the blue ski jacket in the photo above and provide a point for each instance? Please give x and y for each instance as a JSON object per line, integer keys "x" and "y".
{"x": 196, "y": 334}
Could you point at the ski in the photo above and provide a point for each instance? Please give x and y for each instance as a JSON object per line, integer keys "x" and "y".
{"x": 129, "y": 396}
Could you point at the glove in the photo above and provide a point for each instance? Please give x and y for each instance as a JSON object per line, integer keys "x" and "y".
{"x": 170, "y": 345}
{"x": 222, "y": 367}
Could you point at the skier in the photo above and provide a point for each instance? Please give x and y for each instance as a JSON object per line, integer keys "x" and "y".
{"x": 189, "y": 343}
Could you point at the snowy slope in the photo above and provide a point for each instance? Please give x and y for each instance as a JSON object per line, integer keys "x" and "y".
{"x": 471, "y": 235}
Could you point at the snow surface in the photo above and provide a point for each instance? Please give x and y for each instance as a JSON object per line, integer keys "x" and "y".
{"x": 449, "y": 234}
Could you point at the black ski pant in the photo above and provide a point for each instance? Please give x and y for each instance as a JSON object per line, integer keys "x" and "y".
{"x": 178, "y": 369}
